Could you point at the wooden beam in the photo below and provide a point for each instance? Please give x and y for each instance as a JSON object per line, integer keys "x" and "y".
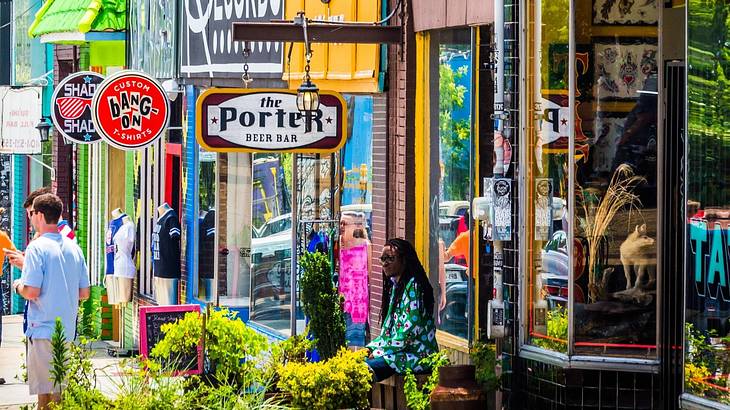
{"x": 318, "y": 33}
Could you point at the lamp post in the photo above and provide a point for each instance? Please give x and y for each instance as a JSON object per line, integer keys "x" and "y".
{"x": 44, "y": 128}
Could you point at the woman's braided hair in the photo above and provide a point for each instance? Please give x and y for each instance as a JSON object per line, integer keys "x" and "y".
{"x": 413, "y": 270}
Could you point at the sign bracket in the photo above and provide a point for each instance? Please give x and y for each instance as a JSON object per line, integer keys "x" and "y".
{"x": 44, "y": 165}
{"x": 291, "y": 32}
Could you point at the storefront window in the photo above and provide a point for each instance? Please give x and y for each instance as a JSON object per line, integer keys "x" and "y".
{"x": 355, "y": 248}
{"x": 601, "y": 147}
{"x": 547, "y": 175}
{"x": 707, "y": 336}
{"x": 271, "y": 243}
{"x": 615, "y": 215}
{"x": 234, "y": 229}
{"x": 206, "y": 226}
{"x": 450, "y": 153}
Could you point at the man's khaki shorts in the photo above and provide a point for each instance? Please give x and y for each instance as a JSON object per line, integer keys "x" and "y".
{"x": 38, "y": 360}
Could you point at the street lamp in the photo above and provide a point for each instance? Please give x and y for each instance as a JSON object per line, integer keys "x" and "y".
{"x": 44, "y": 127}
{"x": 308, "y": 100}
{"x": 307, "y": 93}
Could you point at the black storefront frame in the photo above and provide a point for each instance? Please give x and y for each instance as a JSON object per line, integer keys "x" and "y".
{"x": 535, "y": 378}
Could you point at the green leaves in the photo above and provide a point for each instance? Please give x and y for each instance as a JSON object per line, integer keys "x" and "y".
{"x": 232, "y": 347}
{"x": 557, "y": 329}
{"x": 419, "y": 397}
{"x": 322, "y": 304}
{"x": 59, "y": 355}
{"x": 483, "y": 356}
{"x": 340, "y": 382}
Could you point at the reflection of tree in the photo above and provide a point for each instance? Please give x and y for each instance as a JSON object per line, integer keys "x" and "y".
{"x": 286, "y": 160}
{"x": 709, "y": 103}
{"x": 454, "y": 133}
{"x": 207, "y": 185}
{"x": 554, "y": 32}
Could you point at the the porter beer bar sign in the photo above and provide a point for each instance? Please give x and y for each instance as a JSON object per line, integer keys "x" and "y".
{"x": 250, "y": 120}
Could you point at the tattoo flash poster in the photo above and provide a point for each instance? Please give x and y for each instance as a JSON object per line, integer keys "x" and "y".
{"x": 543, "y": 208}
{"x": 625, "y": 12}
{"x": 622, "y": 68}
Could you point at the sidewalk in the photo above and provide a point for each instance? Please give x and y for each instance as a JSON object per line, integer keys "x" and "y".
{"x": 14, "y": 393}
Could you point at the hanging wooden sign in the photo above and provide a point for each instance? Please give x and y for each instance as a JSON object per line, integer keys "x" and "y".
{"x": 259, "y": 120}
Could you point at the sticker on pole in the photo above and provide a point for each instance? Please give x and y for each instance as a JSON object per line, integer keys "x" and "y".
{"x": 131, "y": 110}
{"x": 71, "y": 107}
{"x": 257, "y": 120}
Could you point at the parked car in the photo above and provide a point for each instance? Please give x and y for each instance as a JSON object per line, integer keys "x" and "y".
{"x": 270, "y": 269}
{"x": 453, "y": 208}
{"x": 277, "y": 225}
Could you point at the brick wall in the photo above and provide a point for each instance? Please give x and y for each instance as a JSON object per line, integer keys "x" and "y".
{"x": 64, "y": 63}
{"x": 393, "y": 166}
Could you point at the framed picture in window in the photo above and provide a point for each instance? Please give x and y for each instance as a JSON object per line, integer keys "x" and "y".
{"x": 625, "y": 68}
{"x": 608, "y": 127}
{"x": 625, "y": 12}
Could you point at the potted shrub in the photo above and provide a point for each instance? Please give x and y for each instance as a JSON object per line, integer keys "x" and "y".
{"x": 341, "y": 382}
{"x": 322, "y": 304}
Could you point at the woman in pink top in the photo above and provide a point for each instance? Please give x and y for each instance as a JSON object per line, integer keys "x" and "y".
{"x": 354, "y": 257}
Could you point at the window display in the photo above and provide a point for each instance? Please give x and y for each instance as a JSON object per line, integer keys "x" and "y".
{"x": 707, "y": 336}
{"x": 450, "y": 238}
{"x": 234, "y": 229}
{"x": 601, "y": 148}
{"x": 271, "y": 243}
{"x": 615, "y": 215}
{"x": 206, "y": 226}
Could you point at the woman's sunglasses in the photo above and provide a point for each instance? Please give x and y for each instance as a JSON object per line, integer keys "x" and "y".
{"x": 384, "y": 258}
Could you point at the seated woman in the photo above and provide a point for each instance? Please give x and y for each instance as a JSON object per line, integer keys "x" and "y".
{"x": 408, "y": 332}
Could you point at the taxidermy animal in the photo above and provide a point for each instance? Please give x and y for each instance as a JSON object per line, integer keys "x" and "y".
{"x": 637, "y": 252}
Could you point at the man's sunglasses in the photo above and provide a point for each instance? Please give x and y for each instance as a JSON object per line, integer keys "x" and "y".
{"x": 387, "y": 258}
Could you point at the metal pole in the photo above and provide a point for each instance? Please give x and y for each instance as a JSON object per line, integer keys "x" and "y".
{"x": 294, "y": 236}
{"x": 497, "y": 304}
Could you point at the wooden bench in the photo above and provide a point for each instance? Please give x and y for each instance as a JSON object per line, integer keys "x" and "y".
{"x": 389, "y": 394}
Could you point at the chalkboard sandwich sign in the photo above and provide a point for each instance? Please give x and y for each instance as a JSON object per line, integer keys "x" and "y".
{"x": 151, "y": 319}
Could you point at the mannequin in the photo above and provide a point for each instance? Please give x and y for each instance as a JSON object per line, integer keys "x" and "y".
{"x": 162, "y": 209}
{"x": 120, "y": 268}
{"x": 206, "y": 246}
{"x": 111, "y": 286}
{"x": 166, "y": 255}
{"x": 124, "y": 268}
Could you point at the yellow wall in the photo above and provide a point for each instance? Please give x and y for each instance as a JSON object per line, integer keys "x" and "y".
{"x": 338, "y": 67}
{"x": 117, "y": 182}
{"x": 421, "y": 146}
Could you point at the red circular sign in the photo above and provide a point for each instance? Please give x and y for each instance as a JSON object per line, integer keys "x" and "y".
{"x": 131, "y": 110}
